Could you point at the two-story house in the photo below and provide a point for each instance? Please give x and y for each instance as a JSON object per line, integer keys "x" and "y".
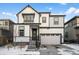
{"x": 72, "y": 30}
{"x": 43, "y": 26}
{"x": 6, "y": 31}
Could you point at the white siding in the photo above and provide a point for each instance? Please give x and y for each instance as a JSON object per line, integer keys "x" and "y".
{"x": 61, "y": 22}
{"x": 28, "y": 10}
{"x": 21, "y": 39}
{"x": 37, "y": 19}
{"x": 47, "y": 20}
{"x": 16, "y": 33}
{"x": 51, "y": 30}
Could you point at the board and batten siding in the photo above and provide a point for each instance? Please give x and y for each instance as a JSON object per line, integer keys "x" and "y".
{"x": 60, "y": 19}
{"x": 18, "y": 38}
{"x": 28, "y": 10}
{"x": 47, "y": 20}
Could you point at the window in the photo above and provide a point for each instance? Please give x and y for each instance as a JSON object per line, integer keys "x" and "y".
{"x": 28, "y": 17}
{"x": 43, "y": 19}
{"x": 6, "y": 23}
{"x": 56, "y": 20}
{"x": 21, "y": 31}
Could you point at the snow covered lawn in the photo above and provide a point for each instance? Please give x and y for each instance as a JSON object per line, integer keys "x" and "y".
{"x": 17, "y": 51}
{"x": 64, "y": 49}
{"x": 74, "y": 46}
{"x": 69, "y": 49}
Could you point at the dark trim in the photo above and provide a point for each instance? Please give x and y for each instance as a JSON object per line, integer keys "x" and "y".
{"x": 28, "y": 13}
{"x": 38, "y": 32}
{"x": 50, "y": 33}
{"x": 45, "y": 12}
{"x": 22, "y": 36}
{"x": 71, "y": 19}
{"x": 63, "y": 31}
{"x": 39, "y": 18}
{"x": 29, "y": 34}
{"x": 17, "y": 18}
{"x": 49, "y": 20}
{"x": 26, "y": 23}
{"x": 26, "y": 7}
{"x": 51, "y": 27}
{"x": 76, "y": 27}
{"x": 20, "y": 43}
{"x": 57, "y": 15}
{"x": 61, "y": 38}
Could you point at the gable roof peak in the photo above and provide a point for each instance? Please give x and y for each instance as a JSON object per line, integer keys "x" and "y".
{"x": 26, "y": 7}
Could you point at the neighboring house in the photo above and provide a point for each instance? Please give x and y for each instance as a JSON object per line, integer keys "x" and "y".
{"x": 72, "y": 30}
{"x": 6, "y": 31}
{"x": 44, "y": 27}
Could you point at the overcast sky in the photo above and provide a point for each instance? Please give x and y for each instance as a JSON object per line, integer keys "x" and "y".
{"x": 9, "y": 10}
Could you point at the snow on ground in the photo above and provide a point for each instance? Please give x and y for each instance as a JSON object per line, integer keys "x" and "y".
{"x": 74, "y": 46}
{"x": 17, "y": 51}
{"x": 64, "y": 49}
{"x": 63, "y": 52}
{"x": 69, "y": 49}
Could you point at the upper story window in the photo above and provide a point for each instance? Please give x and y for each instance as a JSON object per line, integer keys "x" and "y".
{"x": 21, "y": 30}
{"x": 56, "y": 20}
{"x": 6, "y": 23}
{"x": 28, "y": 17}
{"x": 43, "y": 19}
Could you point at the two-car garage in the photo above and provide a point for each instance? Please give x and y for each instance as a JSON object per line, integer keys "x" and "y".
{"x": 50, "y": 39}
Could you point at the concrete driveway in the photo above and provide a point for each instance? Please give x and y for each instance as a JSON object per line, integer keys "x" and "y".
{"x": 49, "y": 50}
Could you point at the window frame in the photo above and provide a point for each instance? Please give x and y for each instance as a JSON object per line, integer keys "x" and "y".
{"x": 6, "y": 23}
{"x": 43, "y": 19}
{"x": 21, "y": 33}
{"x": 21, "y": 29}
{"x": 28, "y": 17}
{"x": 56, "y": 20}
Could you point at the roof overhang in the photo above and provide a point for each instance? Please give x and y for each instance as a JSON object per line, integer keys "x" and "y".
{"x": 27, "y": 23}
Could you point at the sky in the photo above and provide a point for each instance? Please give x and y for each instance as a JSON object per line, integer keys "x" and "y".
{"x": 9, "y": 10}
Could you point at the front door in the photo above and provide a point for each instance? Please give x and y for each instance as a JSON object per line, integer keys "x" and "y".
{"x": 34, "y": 34}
